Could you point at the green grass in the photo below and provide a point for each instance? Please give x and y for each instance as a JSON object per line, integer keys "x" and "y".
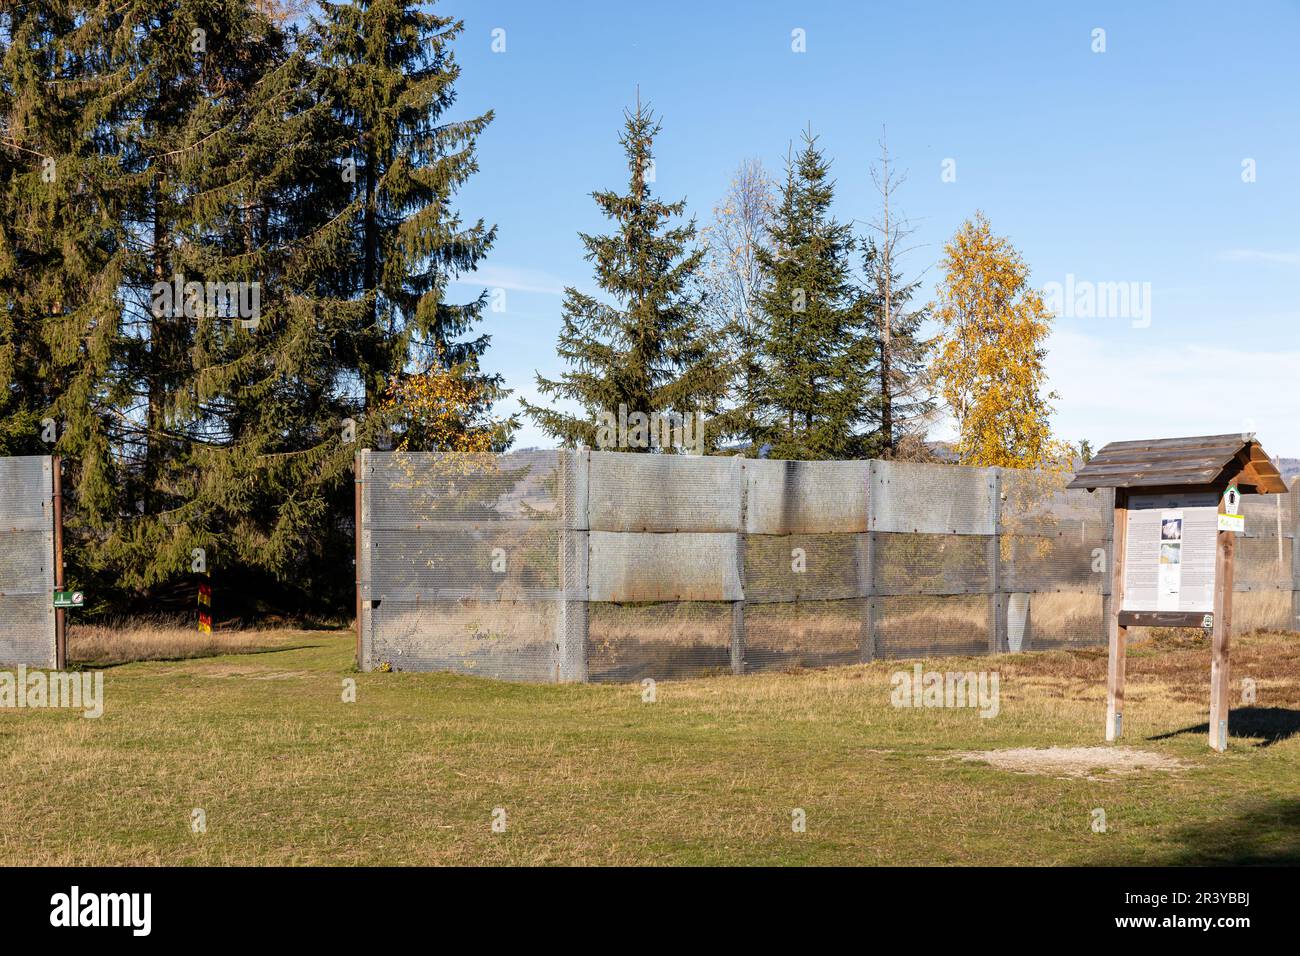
{"x": 287, "y": 773}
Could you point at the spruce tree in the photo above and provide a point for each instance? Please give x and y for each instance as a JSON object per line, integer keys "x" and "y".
{"x": 207, "y": 127}
{"x": 270, "y": 402}
{"x": 191, "y": 145}
{"x": 201, "y": 139}
{"x": 819, "y": 352}
{"x": 63, "y": 250}
{"x": 648, "y": 351}
{"x": 392, "y": 74}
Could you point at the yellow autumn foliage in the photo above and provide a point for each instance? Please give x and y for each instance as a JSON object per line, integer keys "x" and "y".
{"x": 441, "y": 410}
{"x": 989, "y": 357}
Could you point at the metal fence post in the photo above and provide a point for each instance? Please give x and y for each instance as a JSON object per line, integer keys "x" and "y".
{"x": 356, "y": 557}
{"x": 60, "y": 615}
{"x": 997, "y": 622}
{"x": 573, "y": 617}
{"x": 365, "y": 629}
{"x": 866, "y": 555}
{"x": 738, "y": 607}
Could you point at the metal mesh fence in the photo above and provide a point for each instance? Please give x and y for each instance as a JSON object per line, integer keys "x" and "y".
{"x": 576, "y": 565}
{"x": 472, "y": 563}
{"x": 26, "y": 562}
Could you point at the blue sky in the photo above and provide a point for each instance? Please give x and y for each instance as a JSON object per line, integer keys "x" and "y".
{"x": 1121, "y": 166}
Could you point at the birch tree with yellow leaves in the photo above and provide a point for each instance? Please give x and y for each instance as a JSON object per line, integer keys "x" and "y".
{"x": 989, "y": 356}
{"x": 447, "y": 408}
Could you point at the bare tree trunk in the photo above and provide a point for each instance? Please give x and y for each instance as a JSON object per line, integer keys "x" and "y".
{"x": 886, "y": 343}
{"x": 370, "y": 282}
{"x": 154, "y": 380}
{"x": 891, "y": 231}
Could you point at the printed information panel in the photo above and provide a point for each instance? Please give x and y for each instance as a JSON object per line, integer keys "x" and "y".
{"x": 1169, "y": 555}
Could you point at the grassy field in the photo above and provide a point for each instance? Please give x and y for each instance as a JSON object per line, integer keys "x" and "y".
{"x": 286, "y": 772}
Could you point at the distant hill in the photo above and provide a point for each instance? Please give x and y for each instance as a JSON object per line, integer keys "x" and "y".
{"x": 947, "y": 452}
{"x": 944, "y": 451}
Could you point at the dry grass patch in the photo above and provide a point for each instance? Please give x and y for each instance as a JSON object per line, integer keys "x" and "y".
{"x": 102, "y": 645}
{"x": 289, "y": 771}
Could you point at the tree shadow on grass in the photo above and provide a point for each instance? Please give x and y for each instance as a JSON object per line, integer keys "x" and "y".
{"x": 1268, "y": 724}
{"x": 1263, "y": 835}
{"x": 109, "y": 665}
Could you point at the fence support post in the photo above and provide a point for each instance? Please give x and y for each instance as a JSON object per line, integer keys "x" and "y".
{"x": 362, "y": 560}
{"x": 60, "y": 615}
{"x": 1108, "y": 556}
{"x": 738, "y": 607}
{"x": 572, "y": 624}
{"x": 993, "y": 556}
{"x": 866, "y": 555}
{"x": 1116, "y": 633}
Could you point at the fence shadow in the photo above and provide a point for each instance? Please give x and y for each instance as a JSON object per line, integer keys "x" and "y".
{"x": 1264, "y": 835}
{"x": 1270, "y": 724}
{"x": 109, "y": 665}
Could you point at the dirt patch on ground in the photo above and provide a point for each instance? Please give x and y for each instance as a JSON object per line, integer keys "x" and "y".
{"x": 1090, "y": 763}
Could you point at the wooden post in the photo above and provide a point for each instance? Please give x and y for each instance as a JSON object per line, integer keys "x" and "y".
{"x": 60, "y": 615}
{"x": 1221, "y": 637}
{"x": 1117, "y": 635}
{"x": 1295, "y": 554}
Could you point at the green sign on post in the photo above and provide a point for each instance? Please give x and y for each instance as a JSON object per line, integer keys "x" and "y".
{"x": 69, "y": 599}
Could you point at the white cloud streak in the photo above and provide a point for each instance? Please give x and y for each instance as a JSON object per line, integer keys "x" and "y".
{"x": 1261, "y": 255}
{"x": 514, "y": 279}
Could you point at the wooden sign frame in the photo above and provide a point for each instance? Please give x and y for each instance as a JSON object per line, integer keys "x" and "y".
{"x": 1177, "y": 466}
{"x": 1119, "y": 621}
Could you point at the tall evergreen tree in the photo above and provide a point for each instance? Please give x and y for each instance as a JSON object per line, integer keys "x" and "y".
{"x": 208, "y": 144}
{"x": 221, "y": 143}
{"x": 392, "y": 76}
{"x": 649, "y": 351}
{"x": 270, "y": 396}
{"x": 63, "y": 250}
{"x": 819, "y": 351}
